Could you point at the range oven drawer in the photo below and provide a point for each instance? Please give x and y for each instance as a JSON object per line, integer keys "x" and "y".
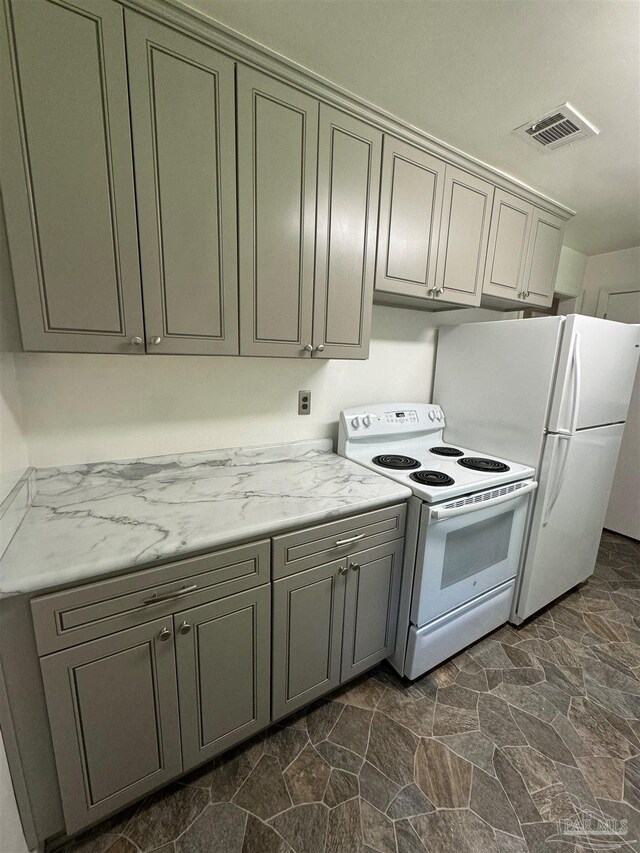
{"x": 295, "y": 552}
{"x": 429, "y": 646}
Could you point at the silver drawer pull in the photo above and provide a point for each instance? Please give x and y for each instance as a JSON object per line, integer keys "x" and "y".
{"x": 352, "y": 539}
{"x": 355, "y": 567}
{"x": 155, "y": 598}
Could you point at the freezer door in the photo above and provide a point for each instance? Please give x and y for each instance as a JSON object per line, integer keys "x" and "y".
{"x": 573, "y": 493}
{"x": 596, "y": 369}
{"x": 494, "y": 381}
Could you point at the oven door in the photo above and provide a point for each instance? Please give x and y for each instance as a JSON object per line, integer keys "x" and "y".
{"x": 468, "y": 546}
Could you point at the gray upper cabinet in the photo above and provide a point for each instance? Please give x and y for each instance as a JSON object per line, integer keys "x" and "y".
{"x": 67, "y": 177}
{"x": 543, "y": 258}
{"x": 113, "y": 710}
{"x": 277, "y": 170}
{"x": 410, "y": 208}
{"x": 464, "y": 235}
{"x": 307, "y": 635}
{"x": 371, "y": 607}
{"x": 524, "y": 251}
{"x": 183, "y": 119}
{"x": 349, "y": 153}
{"x": 511, "y": 223}
{"x": 222, "y": 651}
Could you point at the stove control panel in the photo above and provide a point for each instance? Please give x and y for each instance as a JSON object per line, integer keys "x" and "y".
{"x": 410, "y": 416}
{"x": 388, "y": 419}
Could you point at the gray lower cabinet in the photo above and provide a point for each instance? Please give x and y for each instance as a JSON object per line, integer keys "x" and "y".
{"x": 333, "y": 622}
{"x": 223, "y": 658}
{"x": 371, "y": 608}
{"x": 113, "y": 710}
{"x": 67, "y": 177}
{"x": 307, "y": 635}
{"x": 409, "y": 226}
{"x": 349, "y": 153}
{"x": 464, "y": 236}
{"x": 277, "y": 168}
{"x": 183, "y": 121}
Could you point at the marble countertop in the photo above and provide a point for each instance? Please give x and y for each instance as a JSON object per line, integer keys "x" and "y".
{"x": 89, "y": 520}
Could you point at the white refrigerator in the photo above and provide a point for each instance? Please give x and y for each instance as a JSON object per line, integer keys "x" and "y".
{"x": 553, "y": 393}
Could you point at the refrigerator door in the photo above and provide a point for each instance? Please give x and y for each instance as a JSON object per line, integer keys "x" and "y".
{"x": 574, "y": 486}
{"x": 494, "y": 382}
{"x": 596, "y": 369}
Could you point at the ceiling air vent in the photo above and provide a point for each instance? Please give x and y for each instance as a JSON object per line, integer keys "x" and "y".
{"x": 561, "y": 126}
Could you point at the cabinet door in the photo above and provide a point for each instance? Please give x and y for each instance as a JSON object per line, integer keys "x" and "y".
{"x": 67, "y": 178}
{"x": 508, "y": 240}
{"x": 543, "y": 258}
{"x": 410, "y": 209}
{"x": 113, "y": 709}
{"x": 277, "y": 171}
{"x": 464, "y": 235}
{"x": 349, "y": 154}
{"x": 222, "y": 650}
{"x": 307, "y": 636}
{"x": 183, "y": 119}
{"x": 371, "y": 608}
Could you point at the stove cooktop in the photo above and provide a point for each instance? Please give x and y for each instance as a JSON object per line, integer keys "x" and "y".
{"x": 407, "y": 443}
{"x": 434, "y": 477}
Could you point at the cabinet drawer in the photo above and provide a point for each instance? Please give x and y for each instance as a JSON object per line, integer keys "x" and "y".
{"x": 295, "y": 552}
{"x": 73, "y": 616}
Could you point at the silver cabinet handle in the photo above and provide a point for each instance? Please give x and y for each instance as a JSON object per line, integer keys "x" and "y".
{"x": 308, "y": 348}
{"x": 136, "y": 341}
{"x": 354, "y": 567}
{"x": 167, "y": 596}
{"x": 343, "y": 570}
{"x": 164, "y": 634}
{"x": 320, "y": 348}
{"x": 440, "y": 291}
{"x": 431, "y": 291}
{"x": 184, "y": 628}
{"x": 156, "y": 339}
{"x": 351, "y": 539}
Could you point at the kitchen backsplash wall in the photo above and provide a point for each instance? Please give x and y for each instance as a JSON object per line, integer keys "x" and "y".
{"x": 83, "y": 408}
{"x": 91, "y": 407}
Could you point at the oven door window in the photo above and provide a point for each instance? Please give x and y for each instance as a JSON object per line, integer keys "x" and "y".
{"x": 462, "y": 557}
{"x": 476, "y": 547}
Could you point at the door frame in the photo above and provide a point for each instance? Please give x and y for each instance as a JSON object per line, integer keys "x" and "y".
{"x": 616, "y": 290}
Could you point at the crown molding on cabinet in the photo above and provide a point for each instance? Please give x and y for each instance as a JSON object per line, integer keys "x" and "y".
{"x": 247, "y": 50}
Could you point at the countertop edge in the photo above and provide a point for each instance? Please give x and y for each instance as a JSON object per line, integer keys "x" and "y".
{"x": 45, "y": 583}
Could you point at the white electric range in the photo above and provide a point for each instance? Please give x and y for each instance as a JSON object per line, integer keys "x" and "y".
{"x": 465, "y": 527}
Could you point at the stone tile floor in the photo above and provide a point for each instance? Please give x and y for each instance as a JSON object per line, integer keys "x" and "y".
{"x": 491, "y": 751}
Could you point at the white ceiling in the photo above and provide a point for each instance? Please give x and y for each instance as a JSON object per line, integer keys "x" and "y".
{"x": 469, "y": 71}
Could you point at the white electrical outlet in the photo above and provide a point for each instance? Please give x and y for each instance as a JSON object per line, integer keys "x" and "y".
{"x": 304, "y": 402}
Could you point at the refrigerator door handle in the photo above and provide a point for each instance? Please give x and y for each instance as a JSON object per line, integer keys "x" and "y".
{"x": 554, "y": 494}
{"x": 576, "y": 368}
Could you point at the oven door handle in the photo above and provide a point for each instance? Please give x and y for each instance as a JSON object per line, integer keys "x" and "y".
{"x": 451, "y": 512}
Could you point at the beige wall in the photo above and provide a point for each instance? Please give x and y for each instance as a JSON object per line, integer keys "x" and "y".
{"x": 612, "y": 271}
{"x": 13, "y": 461}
